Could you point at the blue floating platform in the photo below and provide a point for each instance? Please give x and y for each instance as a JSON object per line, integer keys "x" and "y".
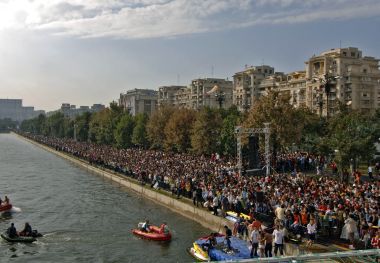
{"x": 220, "y": 252}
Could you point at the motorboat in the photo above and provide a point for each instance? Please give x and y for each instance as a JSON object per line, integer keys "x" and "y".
{"x": 153, "y": 234}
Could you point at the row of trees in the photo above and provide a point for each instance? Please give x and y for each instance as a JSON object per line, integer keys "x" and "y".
{"x": 349, "y": 133}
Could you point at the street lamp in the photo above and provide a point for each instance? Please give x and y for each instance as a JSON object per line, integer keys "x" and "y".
{"x": 75, "y": 131}
{"x": 327, "y": 82}
{"x": 220, "y": 97}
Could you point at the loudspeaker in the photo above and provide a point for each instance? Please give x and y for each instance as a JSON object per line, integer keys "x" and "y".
{"x": 253, "y": 153}
{"x": 260, "y": 197}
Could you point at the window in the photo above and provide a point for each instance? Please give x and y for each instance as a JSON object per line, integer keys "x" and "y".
{"x": 344, "y": 53}
{"x": 353, "y": 54}
{"x": 365, "y": 70}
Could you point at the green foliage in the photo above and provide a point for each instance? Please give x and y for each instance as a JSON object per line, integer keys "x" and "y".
{"x": 352, "y": 136}
{"x": 124, "y": 130}
{"x": 178, "y": 130}
{"x": 55, "y": 125}
{"x": 286, "y": 123}
{"x": 347, "y": 135}
{"x": 83, "y": 125}
{"x": 227, "y": 134}
{"x": 156, "y": 126}
{"x": 205, "y": 137}
{"x": 101, "y": 127}
{"x": 139, "y": 136}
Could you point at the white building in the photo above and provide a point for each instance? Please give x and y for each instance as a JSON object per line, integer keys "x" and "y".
{"x": 139, "y": 101}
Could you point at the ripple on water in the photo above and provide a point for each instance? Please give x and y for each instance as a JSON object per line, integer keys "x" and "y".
{"x": 83, "y": 217}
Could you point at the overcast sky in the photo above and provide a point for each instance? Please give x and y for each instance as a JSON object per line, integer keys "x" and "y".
{"x": 86, "y": 52}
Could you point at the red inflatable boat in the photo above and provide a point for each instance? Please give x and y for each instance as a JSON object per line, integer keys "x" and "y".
{"x": 5, "y": 208}
{"x": 154, "y": 234}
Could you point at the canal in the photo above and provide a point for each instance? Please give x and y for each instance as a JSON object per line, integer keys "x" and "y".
{"x": 84, "y": 217}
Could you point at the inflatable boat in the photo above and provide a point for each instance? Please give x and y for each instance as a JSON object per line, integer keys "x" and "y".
{"x": 18, "y": 238}
{"x": 153, "y": 234}
{"x": 5, "y": 208}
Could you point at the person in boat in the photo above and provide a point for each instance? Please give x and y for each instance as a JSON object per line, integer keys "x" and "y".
{"x": 145, "y": 226}
{"x": 228, "y": 236}
{"x": 11, "y": 231}
{"x": 27, "y": 231}
{"x": 164, "y": 228}
{"x": 6, "y": 200}
{"x": 210, "y": 242}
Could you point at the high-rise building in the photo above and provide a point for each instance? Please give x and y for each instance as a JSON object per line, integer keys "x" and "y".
{"x": 13, "y": 109}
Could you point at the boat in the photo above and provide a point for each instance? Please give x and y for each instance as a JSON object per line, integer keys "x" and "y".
{"x": 198, "y": 253}
{"x": 18, "y": 238}
{"x": 233, "y": 216}
{"x": 154, "y": 234}
{"x": 220, "y": 252}
{"x": 5, "y": 208}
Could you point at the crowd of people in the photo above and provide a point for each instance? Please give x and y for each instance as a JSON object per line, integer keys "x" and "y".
{"x": 292, "y": 201}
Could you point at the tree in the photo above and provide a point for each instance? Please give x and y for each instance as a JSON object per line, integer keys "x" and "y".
{"x": 205, "y": 137}
{"x": 286, "y": 123}
{"x": 55, "y": 125}
{"x": 156, "y": 126}
{"x": 83, "y": 124}
{"x": 227, "y": 135}
{"x": 100, "y": 128}
{"x": 124, "y": 130}
{"x": 139, "y": 136}
{"x": 352, "y": 136}
{"x": 178, "y": 130}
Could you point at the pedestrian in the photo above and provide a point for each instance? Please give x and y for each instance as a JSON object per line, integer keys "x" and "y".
{"x": 255, "y": 236}
{"x": 311, "y": 231}
{"x": 278, "y": 241}
{"x": 370, "y": 175}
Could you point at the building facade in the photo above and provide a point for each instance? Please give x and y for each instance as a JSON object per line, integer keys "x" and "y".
{"x": 13, "y": 109}
{"x": 167, "y": 94}
{"x": 139, "y": 101}
{"x": 351, "y": 79}
{"x": 205, "y": 92}
{"x": 71, "y": 111}
{"x": 246, "y": 85}
{"x": 338, "y": 75}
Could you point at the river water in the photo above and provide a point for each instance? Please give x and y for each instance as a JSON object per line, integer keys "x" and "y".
{"x": 84, "y": 217}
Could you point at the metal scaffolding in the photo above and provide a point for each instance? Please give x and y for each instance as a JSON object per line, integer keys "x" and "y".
{"x": 239, "y": 131}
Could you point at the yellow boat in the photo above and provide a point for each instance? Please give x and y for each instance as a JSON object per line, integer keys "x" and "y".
{"x": 197, "y": 252}
{"x": 233, "y": 214}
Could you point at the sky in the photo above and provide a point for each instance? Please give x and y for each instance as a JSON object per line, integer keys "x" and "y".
{"x": 86, "y": 52}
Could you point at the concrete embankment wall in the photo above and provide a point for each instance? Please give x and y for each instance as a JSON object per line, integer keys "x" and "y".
{"x": 181, "y": 206}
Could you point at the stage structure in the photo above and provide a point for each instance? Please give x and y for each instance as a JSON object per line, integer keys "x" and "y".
{"x": 239, "y": 131}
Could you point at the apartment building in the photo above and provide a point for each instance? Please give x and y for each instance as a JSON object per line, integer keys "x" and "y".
{"x": 246, "y": 87}
{"x": 139, "y": 101}
{"x": 205, "y": 92}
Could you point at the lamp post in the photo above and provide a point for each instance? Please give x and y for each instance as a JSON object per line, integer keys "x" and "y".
{"x": 220, "y": 97}
{"x": 327, "y": 82}
{"x": 75, "y": 131}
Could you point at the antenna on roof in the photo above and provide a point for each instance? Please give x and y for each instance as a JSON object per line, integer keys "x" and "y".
{"x": 262, "y": 62}
{"x": 212, "y": 71}
{"x": 340, "y": 44}
{"x": 178, "y": 79}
